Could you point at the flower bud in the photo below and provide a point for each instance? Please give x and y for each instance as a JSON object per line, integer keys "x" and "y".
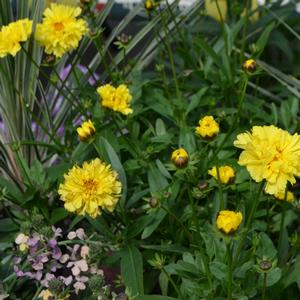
{"x": 249, "y": 65}
{"x": 229, "y": 221}
{"x": 208, "y": 128}
{"x": 149, "y": 5}
{"x": 86, "y": 131}
{"x": 153, "y": 202}
{"x": 202, "y": 185}
{"x": 180, "y": 158}
{"x": 56, "y": 286}
{"x": 265, "y": 265}
{"x": 224, "y": 174}
{"x": 96, "y": 283}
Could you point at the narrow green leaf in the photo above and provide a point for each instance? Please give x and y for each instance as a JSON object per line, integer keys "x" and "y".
{"x": 132, "y": 270}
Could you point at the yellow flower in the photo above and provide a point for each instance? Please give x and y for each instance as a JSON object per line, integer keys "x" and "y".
{"x": 229, "y": 221}
{"x": 117, "y": 99}
{"x": 90, "y": 189}
{"x": 60, "y": 31}
{"x": 208, "y": 127}
{"x": 290, "y": 197}
{"x": 21, "y": 240}
{"x": 86, "y": 131}
{"x": 12, "y": 35}
{"x": 45, "y": 295}
{"x": 249, "y": 65}
{"x": 226, "y": 174}
{"x": 180, "y": 158}
{"x": 211, "y": 9}
{"x": 272, "y": 154}
{"x": 149, "y": 5}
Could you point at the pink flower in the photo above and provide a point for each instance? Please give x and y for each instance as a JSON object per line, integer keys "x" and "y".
{"x": 84, "y": 252}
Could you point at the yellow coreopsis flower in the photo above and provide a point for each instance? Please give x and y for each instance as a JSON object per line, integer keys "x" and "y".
{"x": 61, "y": 30}
{"x": 226, "y": 174}
{"x": 249, "y": 65}
{"x": 86, "y": 130}
{"x": 208, "y": 127}
{"x": 290, "y": 197}
{"x": 117, "y": 99}
{"x": 149, "y": 5}
{"x": 12, "y": 35}
{"x": 180, "y": 158}
{"x": 45, "y": 295}
{"x": 212, "y": 10}
{"x": 229, "y": 221}
{"x": 272, "y": 154}
{"x": 90, "y": 189}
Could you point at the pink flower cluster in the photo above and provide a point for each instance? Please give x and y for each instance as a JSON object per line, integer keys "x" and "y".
{"x": 46, "y": 259}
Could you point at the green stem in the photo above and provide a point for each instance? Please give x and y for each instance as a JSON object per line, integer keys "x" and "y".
{"x": 229, "y": 256}
{"x": 234, "y": 123}
{"x": 249, "y": 220}
{"x": 180, "y": 296}
{"x": 199, "y": 241}
{"x": 179, "y": 222}
{"x": 254, "y": 205}
{"x": 170, "y": 55}
{"x": 264, "y": 290}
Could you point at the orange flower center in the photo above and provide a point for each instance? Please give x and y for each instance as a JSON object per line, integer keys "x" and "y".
{"x": 58, "y": 26}
{"x": 90, "y": 185}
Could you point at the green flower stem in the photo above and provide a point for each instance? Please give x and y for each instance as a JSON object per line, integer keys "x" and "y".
{"x": 281, "y": 232}
{"x": 234, "y": 123}
{"x": 229, "y": 257}
{"x": 249, "y": 220}
{"x": 38, "y": 291}
{"x": 179, "y": 222}
{"x": 222, "y": 203}
{"x": 180, "y": 296}
{"x": 170, "y": 55}
{"x": 199, "y": 241}
{"x": 254, "y": 205}
{"x": 99, "y": 49}
{"x": 76, "y": 100}
{"x": 245, "y": 29}
{"x": 264, "y": 290}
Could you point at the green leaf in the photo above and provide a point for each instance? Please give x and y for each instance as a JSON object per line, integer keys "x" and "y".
{"x": 266, "y": 248}
{"x": 132, "y": 270}
{"x": 12, "y": 190}
{"x": 7, "y": 225}
{"x": 157, "y": 181}
{"x": 57, "y": 215}
{"x": 117, "y": 166}
{"x": 218, "y": 269}
{"x": 153, "y": 297}
{"x": 263, "y": 39}
{"x": 158, "y": 217}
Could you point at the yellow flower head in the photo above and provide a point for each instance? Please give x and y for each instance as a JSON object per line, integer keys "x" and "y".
{"x": 117, "y": 99}
{"x": 45, "y": 295}
{"x": 249, "y": 65}
{"x": 86, "y": 131}
{"x": 229, "y": 221}
{"x": 60, "y": 31}
{"x": 149, "y": 5}
{"x": 208, "y": 127}
{"x": 212, "y": 10}
{"x": 272, "y": 154}
{"x": 180, "y": 158}
{"x": 226, "y": 174}
{"x": 90, "y": 189}
{"x": 12, "y": 35}
{"x": 21, "y": 240}
{"x": 290, "y": 197}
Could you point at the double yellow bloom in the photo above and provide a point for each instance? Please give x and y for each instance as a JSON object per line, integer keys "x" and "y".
{"x": 271, "y": 154}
